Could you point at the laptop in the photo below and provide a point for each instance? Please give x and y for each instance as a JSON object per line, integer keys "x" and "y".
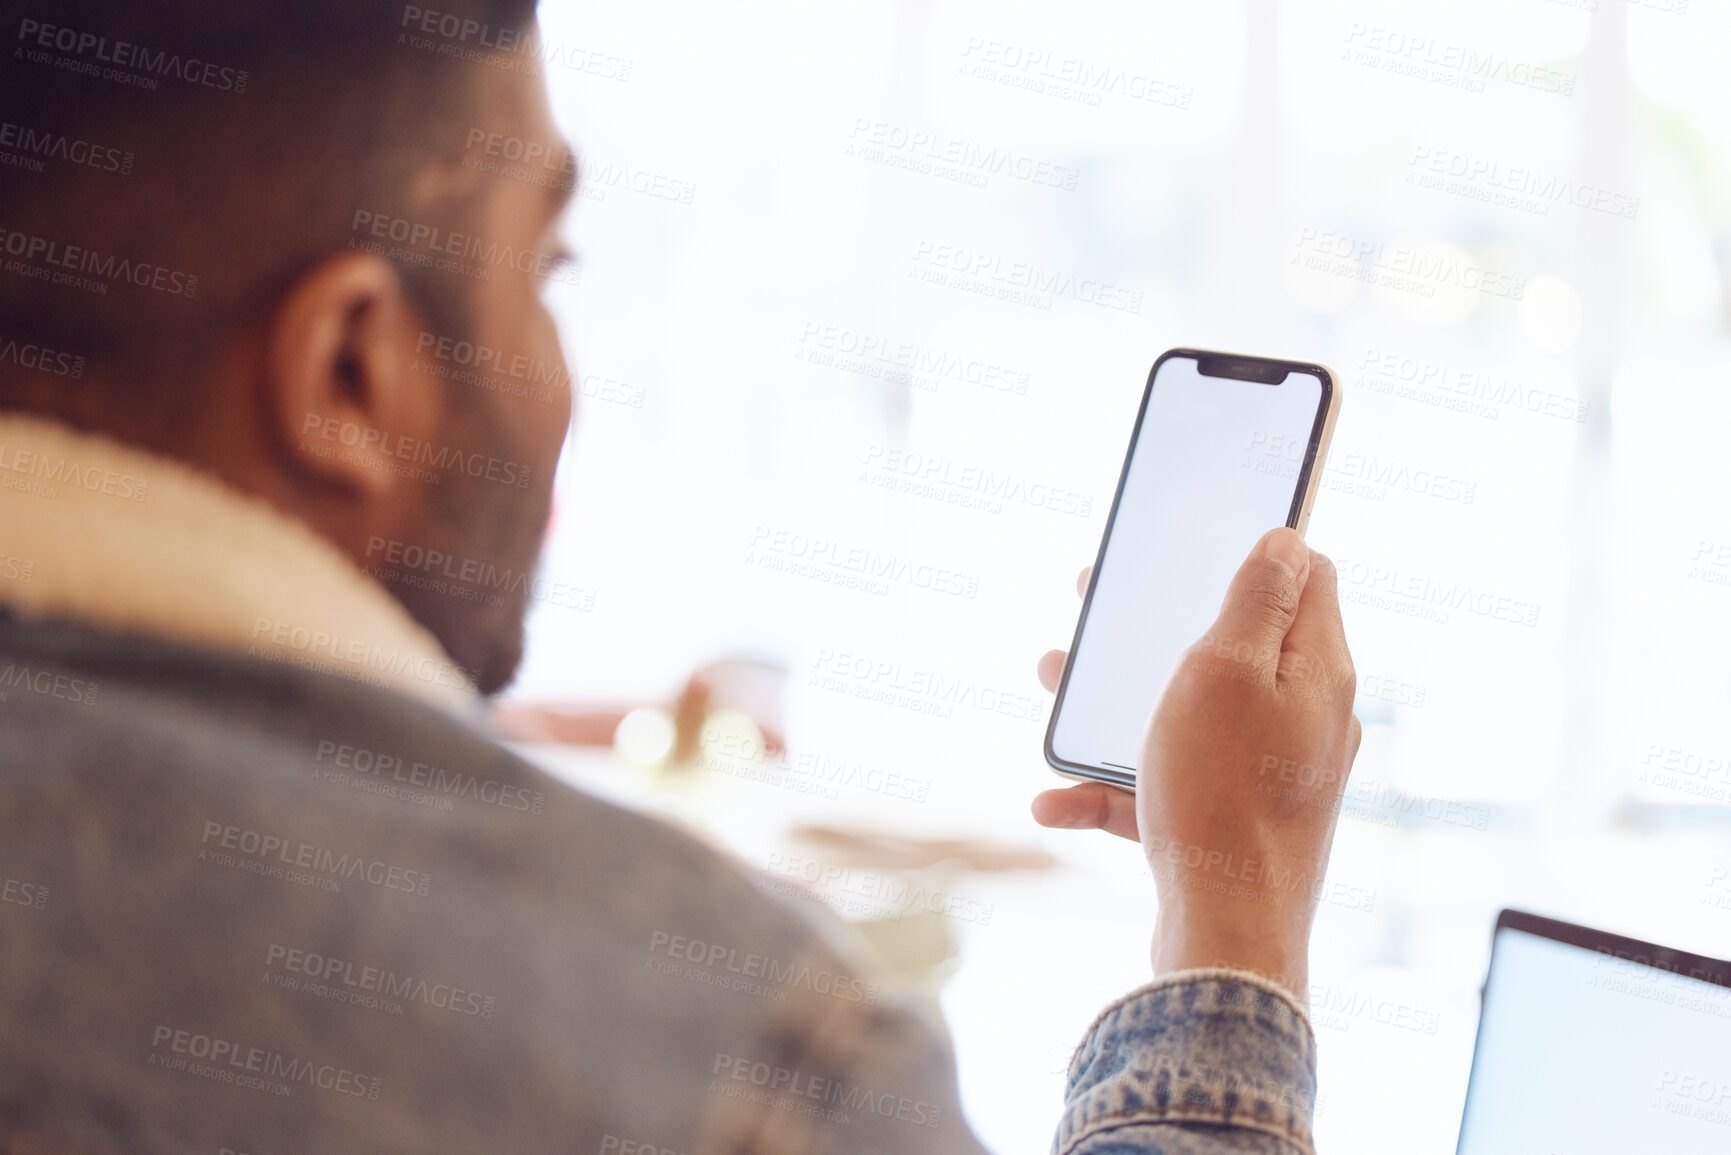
{"x": 1591, "y": 1042}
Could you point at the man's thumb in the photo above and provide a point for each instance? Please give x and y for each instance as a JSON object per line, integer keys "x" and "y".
{"x": 1263, "y": 600}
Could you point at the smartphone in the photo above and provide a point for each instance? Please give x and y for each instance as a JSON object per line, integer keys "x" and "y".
{"x": 1225, "y": 448}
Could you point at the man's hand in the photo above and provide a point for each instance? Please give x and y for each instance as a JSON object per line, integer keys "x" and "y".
{"x": 1243, "y": 769}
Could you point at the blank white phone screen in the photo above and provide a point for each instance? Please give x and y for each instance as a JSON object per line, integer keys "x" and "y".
{"x": 1583, "y": 1053}
{"x": 1215, "y": 466}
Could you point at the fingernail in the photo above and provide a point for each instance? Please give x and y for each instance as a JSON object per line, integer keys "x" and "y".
{"x": 1063, "y": 819}
{"x": 1287, "y": 548}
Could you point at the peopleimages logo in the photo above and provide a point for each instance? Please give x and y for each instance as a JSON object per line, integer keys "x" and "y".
{"x": 277, "y": 851}
{"x": 914, "y": 688}
{"x": 970, "y": 485}
{"x": 30, "y": 355}
{"x": 1426, "y": 597}
{"x": 1461, "y": 389}
{"x": 126, "y": 62}
{"x": 804, "y": 771}
{"x": 84, "y": 268}
{"x": 47, "y": 683}
{"x": 358, "y": 654}
{"x": 377, "y": 765}
{"x": 1066, "y": 77}
{"x": 467, "y": 577}
{"x": 515, "y": 49}
{"x": 1513, "y": 186}
{"x": 534, "y": 376}
{"x": 867, "y": 893}
{"x": 369, "y": 980}
{"x": 902, "y": 362}
{"x": 1019, "y": 282}
{"x": 801, "y": 1092}
{"x": 447, "y": 457}
{"x": 862, "y": 567}
{"x": 757, "y": 973}
{"x": 1403, "y": 266}
{"x": 35, "y": 145}
{"x": 1453, "y": 65}
{"x": 57, "y": 471}
{"x": 953, "y": 158}
{"x": 30, "y": 894}
{"x": 441, "y": 249}
{"x": 257, "y": 1068}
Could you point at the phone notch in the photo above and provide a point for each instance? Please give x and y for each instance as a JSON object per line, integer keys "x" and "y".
{"x": 1242, "y": 368}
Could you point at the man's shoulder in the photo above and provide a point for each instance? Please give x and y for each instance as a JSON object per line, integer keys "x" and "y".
{"x": 348, "y": 879}
{"x": 259, "y": 743}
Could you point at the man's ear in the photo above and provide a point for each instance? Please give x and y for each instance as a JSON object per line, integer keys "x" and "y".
{"x": 343, "y": 395}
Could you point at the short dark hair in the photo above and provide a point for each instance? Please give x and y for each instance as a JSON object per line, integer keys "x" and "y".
{"x": 170, "y": 169}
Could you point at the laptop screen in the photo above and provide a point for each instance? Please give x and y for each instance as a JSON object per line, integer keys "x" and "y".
{"x": 1609, "y": 1046}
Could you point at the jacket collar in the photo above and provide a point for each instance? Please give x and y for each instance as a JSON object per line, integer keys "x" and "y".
{"x": 106, "y": 533}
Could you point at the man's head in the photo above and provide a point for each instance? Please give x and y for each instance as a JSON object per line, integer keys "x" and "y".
{"x": 298, "y": 246}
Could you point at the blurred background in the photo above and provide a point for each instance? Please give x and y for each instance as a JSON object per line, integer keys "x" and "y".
{"x": 868, "y": 296}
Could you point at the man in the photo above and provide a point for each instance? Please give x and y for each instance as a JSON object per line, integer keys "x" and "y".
{"x": 268, "y": 888}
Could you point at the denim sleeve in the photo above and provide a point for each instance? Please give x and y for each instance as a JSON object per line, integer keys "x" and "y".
{"x": 1200, "y": 1062}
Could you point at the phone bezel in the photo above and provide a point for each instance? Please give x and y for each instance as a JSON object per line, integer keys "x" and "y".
{"x": 1321, "y": 432}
